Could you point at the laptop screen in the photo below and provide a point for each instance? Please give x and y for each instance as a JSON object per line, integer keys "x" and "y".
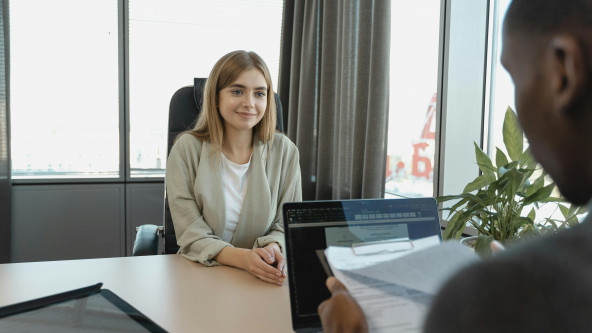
{"x": 314, "y": 225}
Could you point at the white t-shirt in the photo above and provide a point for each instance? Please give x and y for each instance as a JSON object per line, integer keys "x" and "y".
{"x": 234, "y": 183}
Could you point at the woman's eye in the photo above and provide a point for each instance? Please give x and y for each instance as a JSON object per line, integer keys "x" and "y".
{"x": 260, "y": 94}
{"x": 237, "y": 92}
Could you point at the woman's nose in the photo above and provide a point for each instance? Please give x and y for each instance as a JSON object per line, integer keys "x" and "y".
{"x": 249, "y": 100}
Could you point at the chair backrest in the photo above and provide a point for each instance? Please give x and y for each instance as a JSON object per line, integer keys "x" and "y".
{"x": 184, "y": 108}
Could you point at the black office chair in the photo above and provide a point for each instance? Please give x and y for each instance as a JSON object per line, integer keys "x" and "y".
{"x": 184, "y": 108}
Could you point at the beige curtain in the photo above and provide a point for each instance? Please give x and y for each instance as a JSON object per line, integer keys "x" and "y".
{"x": 5, "y": 186}
{"x": 334, "y": 86}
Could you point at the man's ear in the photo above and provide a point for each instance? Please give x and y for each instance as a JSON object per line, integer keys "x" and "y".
{"x": 567, "y": 67}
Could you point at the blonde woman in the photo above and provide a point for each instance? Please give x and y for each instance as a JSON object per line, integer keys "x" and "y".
{"x": 227, "y": 178}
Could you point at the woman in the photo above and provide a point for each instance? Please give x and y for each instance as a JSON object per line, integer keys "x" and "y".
{"x": 227, "y": 178}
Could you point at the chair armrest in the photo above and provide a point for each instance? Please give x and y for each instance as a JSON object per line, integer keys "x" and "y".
{"x": 146, "y": 242}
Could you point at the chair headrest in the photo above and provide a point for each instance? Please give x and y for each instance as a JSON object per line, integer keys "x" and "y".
{"x": 198, "y": 87}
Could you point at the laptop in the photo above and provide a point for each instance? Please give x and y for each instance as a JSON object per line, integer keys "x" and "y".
{"x": 88, "y": 309}
{"x": 310, "y": 226}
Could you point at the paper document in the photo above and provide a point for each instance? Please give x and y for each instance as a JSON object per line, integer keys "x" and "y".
{"x": 395, "y": 289}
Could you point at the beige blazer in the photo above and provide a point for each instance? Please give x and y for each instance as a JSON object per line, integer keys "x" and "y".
{"x": 196, "y": 198}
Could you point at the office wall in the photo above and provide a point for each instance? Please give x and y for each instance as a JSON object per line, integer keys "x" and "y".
{"x": 144, "y": 205}
{"x": 80, "y": 221}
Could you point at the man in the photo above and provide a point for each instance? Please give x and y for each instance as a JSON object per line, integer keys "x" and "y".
{"x": 545, "y": 285}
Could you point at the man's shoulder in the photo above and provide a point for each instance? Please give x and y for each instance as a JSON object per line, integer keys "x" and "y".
{"x": 533, "y": 286}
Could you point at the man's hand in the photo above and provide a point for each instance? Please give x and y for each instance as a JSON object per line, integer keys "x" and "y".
{"x": 341, "y": 313}
{"x": 496, "y": 247}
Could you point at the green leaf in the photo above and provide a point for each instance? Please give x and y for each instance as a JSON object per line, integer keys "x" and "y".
{"x": 477, "y": 184}
{"x": 474, "y": 199}
{"x": 572, "y": 211}
{"x": 482, "y": 245}
{"x": 455, "y": 227}
{"x": 582, "y": 210}
{"x": 540, "y": 194}
{"x": 564, "y": 211}
{"x": 573, "y": 221}
{"x": 514, "y": 180}
{"x": 552, "y": 199}
{"x": 532, "y": 215}
{"x": 513, "y": 136}
{"x": 502, "y": 170}
{"x": 536, "y": 185}
{"x": 520, "y": 222}
{"x": 527, "y": 160}
{"x": 483, "y": 160}
{"x": 500, "y": 158}
{"x": 553, "y": 224}
{"x": 444, "y": 198}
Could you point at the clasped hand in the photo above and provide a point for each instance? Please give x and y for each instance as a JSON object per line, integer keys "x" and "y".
{"x": 267, "y": 263}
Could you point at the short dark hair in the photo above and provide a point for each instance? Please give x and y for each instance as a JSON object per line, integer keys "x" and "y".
{"x": 544, "y": 17}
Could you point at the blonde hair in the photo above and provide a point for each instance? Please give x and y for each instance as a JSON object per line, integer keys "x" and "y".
{"x": 210, "y": 124}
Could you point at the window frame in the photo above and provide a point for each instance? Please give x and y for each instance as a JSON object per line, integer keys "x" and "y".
{"x": 464, "y": 42}
{"x": 450, "y": 175}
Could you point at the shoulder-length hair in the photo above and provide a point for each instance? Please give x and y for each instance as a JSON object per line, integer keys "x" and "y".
{"x": 210, "y": 124}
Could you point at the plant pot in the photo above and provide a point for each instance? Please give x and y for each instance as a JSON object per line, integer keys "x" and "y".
{"x": 469, "y": 241}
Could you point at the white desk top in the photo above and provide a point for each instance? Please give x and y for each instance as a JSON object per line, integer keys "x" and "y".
{"x": 177, "y": 294}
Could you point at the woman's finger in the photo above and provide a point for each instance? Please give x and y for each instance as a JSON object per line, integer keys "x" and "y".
{"x": 272, "y": 281}
{"x": 265, "y": 255}
{"x": 269, "y": 271}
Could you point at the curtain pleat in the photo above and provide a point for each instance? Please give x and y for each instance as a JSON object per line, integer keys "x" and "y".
{"x": 334, "y": 80}
{"x": 5, "y": 184}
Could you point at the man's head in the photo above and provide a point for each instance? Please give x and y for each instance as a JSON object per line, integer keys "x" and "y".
{"x": 547, "y": 49}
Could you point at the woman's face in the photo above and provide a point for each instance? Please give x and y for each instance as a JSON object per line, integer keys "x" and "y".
{"x": 242, "y": 104}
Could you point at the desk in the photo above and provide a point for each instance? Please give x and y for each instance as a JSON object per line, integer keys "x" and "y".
{"x": 179, "y": 295}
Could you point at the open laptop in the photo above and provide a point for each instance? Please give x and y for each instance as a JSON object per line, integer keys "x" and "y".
{"x": 314, "y": 225}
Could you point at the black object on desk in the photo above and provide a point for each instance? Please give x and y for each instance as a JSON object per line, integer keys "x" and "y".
{"x": 88, "y": 309}
{"x": 310, "y": 226}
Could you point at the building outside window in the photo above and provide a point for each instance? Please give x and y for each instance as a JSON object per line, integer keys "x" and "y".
{"x": 415, "y": 27}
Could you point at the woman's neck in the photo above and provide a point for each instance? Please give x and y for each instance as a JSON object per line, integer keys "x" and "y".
{"x": 237, "y": 147}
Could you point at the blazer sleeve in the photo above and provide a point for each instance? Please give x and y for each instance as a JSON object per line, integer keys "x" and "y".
{"x": 290, "y": 191}
{"x": 195, "y": 237}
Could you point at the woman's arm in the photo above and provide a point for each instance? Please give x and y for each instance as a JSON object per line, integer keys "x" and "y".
{"x": 290, "y": 191}
{"x": 195, "y": 237}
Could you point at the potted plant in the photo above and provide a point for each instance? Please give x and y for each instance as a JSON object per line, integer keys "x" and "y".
{"x": 503, "y": 201}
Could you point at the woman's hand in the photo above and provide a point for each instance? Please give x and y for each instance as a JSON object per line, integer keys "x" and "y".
{"x": 341, "y": 313}
{"x": 259, "y": 263}
{"x": 253, "y": 261}
{"x": 276, "y": 258}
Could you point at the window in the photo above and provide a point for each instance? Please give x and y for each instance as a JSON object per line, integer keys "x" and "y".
{"x": 415, "y": 27}
{"x": 170, "y": 43}
{"x": 501, "y": 85}
{"x": 67, "y": 118}
{"x": 502, "y": 97}
{"x": 64, "y": 88}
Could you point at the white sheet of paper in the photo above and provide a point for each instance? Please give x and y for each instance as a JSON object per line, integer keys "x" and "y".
{"x": 380, "y": 247}
{"x": 345, "y": 259}
{"x": 388, "y": 307}
{"x": 396, "y": 289}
